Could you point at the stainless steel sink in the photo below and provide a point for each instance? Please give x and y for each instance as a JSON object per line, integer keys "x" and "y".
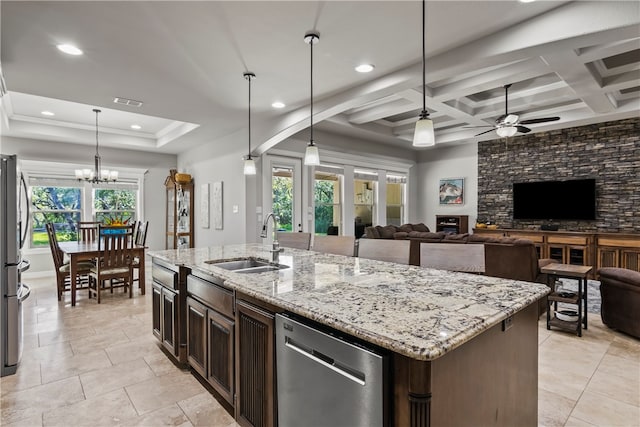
{"x": 248, "y": 265}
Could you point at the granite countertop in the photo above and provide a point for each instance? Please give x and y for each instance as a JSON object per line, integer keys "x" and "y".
{"x": 421, "y": 313}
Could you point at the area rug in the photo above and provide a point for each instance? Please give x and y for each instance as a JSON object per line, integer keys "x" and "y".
{"x": 593, "y": 293}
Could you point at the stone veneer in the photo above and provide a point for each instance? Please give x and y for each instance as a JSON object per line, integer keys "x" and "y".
{"x": 608, "y": 152}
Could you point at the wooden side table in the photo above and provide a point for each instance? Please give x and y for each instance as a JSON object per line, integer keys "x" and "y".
{"x": 568, "y": 271}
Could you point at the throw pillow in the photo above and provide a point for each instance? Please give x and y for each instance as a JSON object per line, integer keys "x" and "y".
{"x": 372, "y": 233}
{"x": 387, "y": 231}
{"x": 400, "y": 235}
{"x": 407, "y": 228}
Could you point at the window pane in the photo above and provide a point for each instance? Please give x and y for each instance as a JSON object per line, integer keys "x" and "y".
{"x": 395, "y": 204}
{"x": 282, "y": 186}
{"x": 114, "y": 206}
{"x": 364, "y": 204}
{"x": 63, "y": 222}
{"x": 59, "y": 205}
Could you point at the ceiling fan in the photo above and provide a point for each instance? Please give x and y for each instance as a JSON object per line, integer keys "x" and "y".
{"x": 509, "y": 124}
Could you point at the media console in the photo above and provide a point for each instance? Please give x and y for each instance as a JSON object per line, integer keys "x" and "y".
{"x": 580, "y": 248}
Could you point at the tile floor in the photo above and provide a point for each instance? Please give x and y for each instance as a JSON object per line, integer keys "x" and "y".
{"x": 96, "y": 365}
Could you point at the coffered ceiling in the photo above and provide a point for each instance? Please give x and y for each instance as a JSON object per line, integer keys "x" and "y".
{"x": 184, "y": 61}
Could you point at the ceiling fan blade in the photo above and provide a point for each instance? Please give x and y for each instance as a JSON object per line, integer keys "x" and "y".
{"x": 540, "y": 120}
{"x": 523, "y": 129}
{"x": 482, "y": 133}
{"x": 471, "y": 127}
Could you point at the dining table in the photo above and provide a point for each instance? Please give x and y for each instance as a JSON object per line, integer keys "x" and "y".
{"x": 89, "y": 250}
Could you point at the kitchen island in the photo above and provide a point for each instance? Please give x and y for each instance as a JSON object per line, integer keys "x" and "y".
{"x": 463, "y": 347}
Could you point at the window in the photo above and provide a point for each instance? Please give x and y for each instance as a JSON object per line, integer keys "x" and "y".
{"x": 57, "y": 204}
{"x": 282, "y": 207}
{"x": 114, "y": 206}
{"x": 395, "y": 199}
{"x": 327, "y": 203}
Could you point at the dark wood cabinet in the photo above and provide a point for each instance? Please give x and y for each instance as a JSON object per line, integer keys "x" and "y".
{"x": 197, "y": 336}
{"x": 211, "y": 333}
{"x": 220, "y": 361}
{"x": 168, "y": 302}
{"x": 255, "y": 386}
{"x": 452, "y": 224}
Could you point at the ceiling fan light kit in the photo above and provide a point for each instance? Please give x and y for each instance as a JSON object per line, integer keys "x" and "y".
{"x": 424, "y": 135}
{"x": 506, "y": 131}
{"x": 311, "y": 155}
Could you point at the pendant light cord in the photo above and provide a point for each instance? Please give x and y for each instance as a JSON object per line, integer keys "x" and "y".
{"x": 311, "y": 117}
{"x": 97, "y": 154}
{"x": 249, "y": 155}
{"x": 424, "y": 61}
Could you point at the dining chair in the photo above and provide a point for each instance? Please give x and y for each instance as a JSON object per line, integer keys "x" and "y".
{"x": 115, "y": 262}
{"x": 63, "y": 269}
{"x": 294, "y": 240}
{"x": 140, "y": 239}
{"x": 88, "y": 230}
{"x": 339, "y": 245}
{"x": 385, "y": 250}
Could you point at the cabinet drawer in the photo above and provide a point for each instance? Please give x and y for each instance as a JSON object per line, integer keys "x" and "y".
{"x": 621, "y": 243}
{"x": 567, "y": 240}
{"x": 164, "y": 276}
{"x": 216, "y": 297}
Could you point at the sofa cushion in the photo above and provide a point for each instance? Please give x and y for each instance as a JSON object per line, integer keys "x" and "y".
{"x": 387, "y": 231}
{"x": 508, "y": 240}
{"x": 400, "y": 235}
{"x": 372, "y": 233}
{"x": 420, "y": 227}
{"x": 407, "y": 228}
{"x": 479, "y": 238}
{"x": 436, "y": 237}
{"x": 456, "y": 238}
{"x": 621, "y": 274}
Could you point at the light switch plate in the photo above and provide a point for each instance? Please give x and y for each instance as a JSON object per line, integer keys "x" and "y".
{"x": 235, "y": 208}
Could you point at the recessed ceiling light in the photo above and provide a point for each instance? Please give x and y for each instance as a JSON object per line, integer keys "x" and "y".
{"x": 364, "y": 68}
{"x": 69, "y": 49}
{"x": 278, "y": 104}
{"x": 527, "y": 1}
{"x": 47, "y": 113}
{"x": 136, "y": 127}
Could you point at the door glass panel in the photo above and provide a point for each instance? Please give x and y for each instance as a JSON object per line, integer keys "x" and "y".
{"x": 395, "y": 205}
{"x": 282, "y": 206}
{"x": 327, "y": 203}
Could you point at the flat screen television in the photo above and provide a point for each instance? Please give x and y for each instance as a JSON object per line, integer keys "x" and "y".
{"x": 555, "y": 200}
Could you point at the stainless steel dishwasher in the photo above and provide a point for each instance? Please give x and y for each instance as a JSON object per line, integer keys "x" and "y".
{"x": 325, "y": 380}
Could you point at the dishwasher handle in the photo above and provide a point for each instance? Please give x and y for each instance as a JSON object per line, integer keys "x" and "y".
{"x": 325, "y": 361}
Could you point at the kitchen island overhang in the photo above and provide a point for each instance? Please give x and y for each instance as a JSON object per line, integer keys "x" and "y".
{"x": 432, "y": 321}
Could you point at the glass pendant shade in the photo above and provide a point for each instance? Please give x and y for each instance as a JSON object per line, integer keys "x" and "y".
{"x": 249, "y": 166}
{"x": 506, "y": 131}
{"x": 424, "y": 135}
{"x": 311, "y": 156}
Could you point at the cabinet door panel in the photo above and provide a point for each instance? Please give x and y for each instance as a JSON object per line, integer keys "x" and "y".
{"x": 197, "y": 336}
{"x": 156, "y": 305}
{"x": 220, "y": 334}
{"x": 608, "y": 257}
{"x": 169, "y": 321}
{"x": 630, "y": 259}
{"x": 254, "y": 366}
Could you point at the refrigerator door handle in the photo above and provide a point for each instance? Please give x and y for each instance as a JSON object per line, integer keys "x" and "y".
{"x": 24, "y": 293}
{"x": 23, "y": 182}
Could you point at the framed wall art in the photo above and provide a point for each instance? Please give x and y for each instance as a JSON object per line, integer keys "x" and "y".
{"x": 451, "y": 191}
{"x": 216, "y": 205}
{"x": 204, "y": 206}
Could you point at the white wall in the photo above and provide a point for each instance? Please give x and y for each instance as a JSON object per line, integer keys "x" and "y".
{"x": 460, "y": 161}
{"x": 220, "y": 160}
{"x": 158, "y": 166}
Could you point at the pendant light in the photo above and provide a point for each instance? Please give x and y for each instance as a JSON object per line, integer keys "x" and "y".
{"x": 98, "y": 174}
{"x": 249, "y": 163}
{"x": 311, "y": 155}
{"x": 424, "y": 136}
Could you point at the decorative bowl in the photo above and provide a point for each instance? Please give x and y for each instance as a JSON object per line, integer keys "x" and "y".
{"x": 182, "y": 178}
{"x": 567, "y": 315}
{"x": 481, "y": 225}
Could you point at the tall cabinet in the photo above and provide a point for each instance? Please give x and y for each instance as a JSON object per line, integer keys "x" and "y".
{"x": 179, "y": 211}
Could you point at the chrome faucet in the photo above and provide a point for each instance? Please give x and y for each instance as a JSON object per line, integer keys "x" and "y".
{"x": 275, "y": 248}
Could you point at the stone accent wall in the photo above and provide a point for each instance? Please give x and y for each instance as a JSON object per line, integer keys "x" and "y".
{"x": 608, "y": 152}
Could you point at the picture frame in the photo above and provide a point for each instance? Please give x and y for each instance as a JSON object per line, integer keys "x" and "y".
{"x": 204, "y": 205}
{"x": 216, "y": 205}
{"x": 451, "y": 191}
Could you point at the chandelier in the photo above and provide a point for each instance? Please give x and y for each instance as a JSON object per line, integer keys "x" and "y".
{"x": 98, "y": 174}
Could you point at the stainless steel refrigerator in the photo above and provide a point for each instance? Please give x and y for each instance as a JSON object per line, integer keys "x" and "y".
{"x": 14, "y": 220}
